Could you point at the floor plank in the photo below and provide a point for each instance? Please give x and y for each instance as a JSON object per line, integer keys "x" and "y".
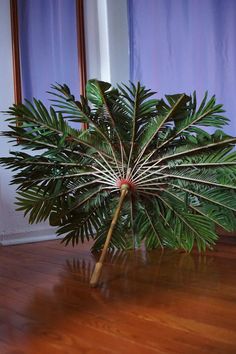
{"x": 148, "y": 302}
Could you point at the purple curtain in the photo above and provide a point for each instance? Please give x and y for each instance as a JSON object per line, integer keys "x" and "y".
{"x": 48, "y": 46}
{"x": 185, "y": 45}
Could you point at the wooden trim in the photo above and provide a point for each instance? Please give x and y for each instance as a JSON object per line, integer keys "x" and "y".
{"x": 81, "y": 48}
{"x": 15, "y": 52}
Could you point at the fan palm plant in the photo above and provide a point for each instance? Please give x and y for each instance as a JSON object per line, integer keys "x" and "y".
{"x": 145, "y": 170}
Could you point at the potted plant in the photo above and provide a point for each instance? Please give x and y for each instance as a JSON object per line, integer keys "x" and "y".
{"x": 145, "y": 170}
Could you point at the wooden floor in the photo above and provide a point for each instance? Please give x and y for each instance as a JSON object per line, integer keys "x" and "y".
{"x": 147, "y": 302}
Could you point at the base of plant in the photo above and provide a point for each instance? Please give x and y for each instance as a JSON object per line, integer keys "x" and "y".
{"x": 98, "y": 267}
{"x": 96, "y": 275}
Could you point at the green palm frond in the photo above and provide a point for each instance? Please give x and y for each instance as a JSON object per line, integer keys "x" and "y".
{"x": 180, "y": 180}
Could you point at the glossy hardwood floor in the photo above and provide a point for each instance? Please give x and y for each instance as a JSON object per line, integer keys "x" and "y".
{"x": 148, "y": 302}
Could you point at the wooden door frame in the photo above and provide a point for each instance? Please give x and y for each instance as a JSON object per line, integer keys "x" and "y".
{"x": 15, "y": 52}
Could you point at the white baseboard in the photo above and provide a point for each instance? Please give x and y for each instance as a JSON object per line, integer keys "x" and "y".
{"x": 28, "y": 237}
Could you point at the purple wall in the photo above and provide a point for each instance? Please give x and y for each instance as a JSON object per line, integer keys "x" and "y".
{"x": 48, "y": 46}
{"x": 185, "y": 45}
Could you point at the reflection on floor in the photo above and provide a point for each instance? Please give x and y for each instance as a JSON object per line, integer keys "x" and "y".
{"x": 148, "y": 302}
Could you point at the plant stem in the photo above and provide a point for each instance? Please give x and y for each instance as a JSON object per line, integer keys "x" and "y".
{"x": 98, "y": 267}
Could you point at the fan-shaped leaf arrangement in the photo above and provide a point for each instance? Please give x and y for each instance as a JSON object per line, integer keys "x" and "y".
{"x": 145, "y": 171}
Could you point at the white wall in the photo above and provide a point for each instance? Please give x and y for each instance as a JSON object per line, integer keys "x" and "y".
{"x": 106, "y": 25}
{"x": 107, "y": 59}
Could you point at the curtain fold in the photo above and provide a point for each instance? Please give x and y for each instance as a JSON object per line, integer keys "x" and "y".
{"x": 48, "y": 46}
{"x": 185, "y": 45}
